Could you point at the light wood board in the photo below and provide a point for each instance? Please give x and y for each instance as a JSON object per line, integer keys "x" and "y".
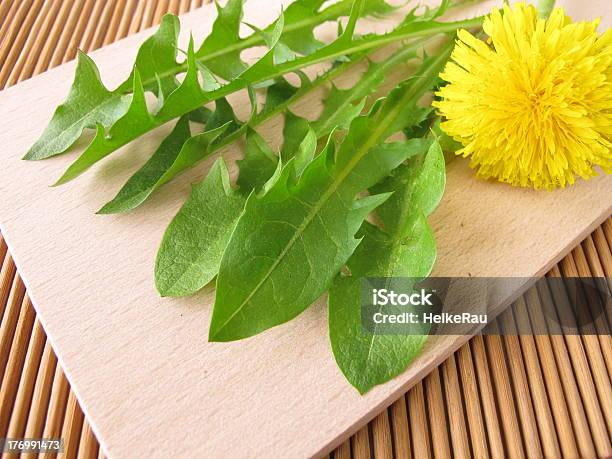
{"x": 141, "y": 366}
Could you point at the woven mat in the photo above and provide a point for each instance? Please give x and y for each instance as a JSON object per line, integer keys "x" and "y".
{"x": 496, "y": 396}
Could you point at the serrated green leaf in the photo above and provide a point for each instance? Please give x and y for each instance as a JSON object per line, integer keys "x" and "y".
{"x": 299, "y": 142}
{"x": 188, "y": 256}
{"x": 294, "y": 132}
{"x": 222, "y": 115}
{"x": 151, "y": 176}
{"x": 282, "y": 52}
{"x": 142, "y": 184}
{"x": 304, "y": 42}
{"x": 89, "y": 103}
{"x": 136, "y": 116}
{"x": 87, "y": 95}
{"x": 190, "y": 95}
{"x": 263, "y": 280}
{"x": 290, "y": 243}
{"x": 281, "y": 91}
{"x": 156, "y": 58}
{"x": 305, "y": 152}
{"x": 342, "y": 105}
{"x": 144, "y": 181}
{"x": 259, "y": 72}
{"x": 201, "y": 115}
{"x": 403, "y": 247}
{"x": 339, "y": 110}
{"x": 136, "y": 119}
{"x": 278, "y": 248}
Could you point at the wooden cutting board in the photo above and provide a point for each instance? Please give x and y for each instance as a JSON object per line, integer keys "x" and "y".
{"x": 140, "y": 365}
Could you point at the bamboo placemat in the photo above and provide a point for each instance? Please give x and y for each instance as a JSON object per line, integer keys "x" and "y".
{"x": 496, "y": 396}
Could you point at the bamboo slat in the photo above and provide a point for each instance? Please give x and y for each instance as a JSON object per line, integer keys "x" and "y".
{"x": 15, "y": 364}
{"x": 57, "y": 407}
{"x": 437, "y": 413}
{"x": 73, "y": 424}
{"x": 508, "y": 396}
{"x": 476, "y": 425}
{"x": 487, "y": 397}
{"x": 7, "y": 277}
{"x": 400, "y": 429}
{"x": 42, "y": 394}
{"x": 25, "y": 390}
{"x": 420, "y": 431}
{"x": 570, "y": 385}
{"x": 88, "y": 444}
{"x": 360, "y": 443}
{"x": 505, "y": 400}
{"x": 535, "y": 383}
{"x": 520, "y": 386}
{"x": 582, "y": 350}
{"x": 456, "y": 414}
{"x": 381, "y": 436}
{"x": 3, "y": 250}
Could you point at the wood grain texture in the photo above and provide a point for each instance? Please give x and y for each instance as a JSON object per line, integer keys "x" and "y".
{"x": 153, "y": 10}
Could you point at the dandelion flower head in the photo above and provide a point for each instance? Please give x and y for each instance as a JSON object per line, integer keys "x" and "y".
{"x": 532, "y": 106}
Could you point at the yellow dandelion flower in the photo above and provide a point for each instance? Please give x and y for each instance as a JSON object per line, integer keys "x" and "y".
{"x": 533, "y": 105}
